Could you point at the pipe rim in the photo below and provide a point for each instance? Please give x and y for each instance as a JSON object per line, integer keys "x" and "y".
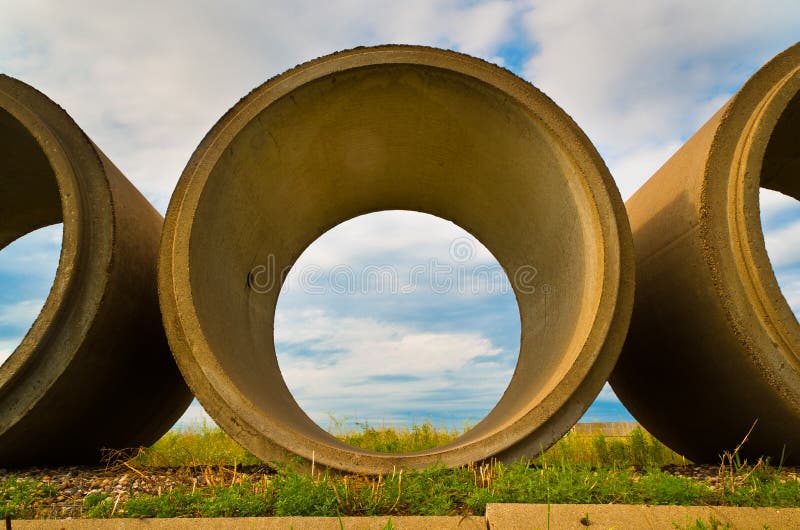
{"x": 766, "y": 296}
{"x": 47, "y": 349}
{"x": 755, "y": 307}
{"x": 216, "y": 391}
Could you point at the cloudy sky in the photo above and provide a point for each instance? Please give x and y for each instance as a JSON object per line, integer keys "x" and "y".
{"x": 146, "y": 80}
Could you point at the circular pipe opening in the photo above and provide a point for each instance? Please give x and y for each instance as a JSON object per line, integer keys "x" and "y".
{"x": 396, "y": 320}
{"x": 386, "y": 129}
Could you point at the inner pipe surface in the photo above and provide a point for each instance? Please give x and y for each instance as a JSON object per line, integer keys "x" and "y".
{"x": 773, "y": 162}
{"x": 396, "y": 128}
{"x": 29, "y": 197}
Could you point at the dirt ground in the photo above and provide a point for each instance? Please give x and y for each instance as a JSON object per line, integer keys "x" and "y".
{"x": 121, "y": 482}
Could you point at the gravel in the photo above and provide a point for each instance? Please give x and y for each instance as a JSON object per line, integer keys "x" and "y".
{"x": 121, "y": 482}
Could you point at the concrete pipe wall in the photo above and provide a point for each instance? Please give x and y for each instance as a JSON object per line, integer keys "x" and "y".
{"x": 410, "y": 128}
{"x": 94, "y": 371}
{"x": 713, "y": 346}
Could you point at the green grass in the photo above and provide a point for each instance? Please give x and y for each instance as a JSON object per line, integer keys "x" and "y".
{"x": 439, "y": 491}
{"x": 702, "y": 524}
{"x": 579, "y": 469}
{"x": 196, "y": 446}
{"x": 638, "y": 449}
{"x": 19, "y": 497}
{"x": 201, "y": 445}
{"x": 393, "y": 440}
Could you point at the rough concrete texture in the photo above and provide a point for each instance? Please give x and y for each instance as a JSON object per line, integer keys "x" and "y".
{"x": 262, "y": 523}
{"x": 94, "y": 371}
{"x": 395, "y": 127}
{"x": 498, "y": 517}
{"x": 631, "y": 517}
{"x": 713, "y": 346}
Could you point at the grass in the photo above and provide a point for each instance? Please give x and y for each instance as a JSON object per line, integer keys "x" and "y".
{"x": 196, "y": 446}
{"x": 201, "y": 445}
{"x": 579, "y": 469}
{"x": 703, "y": 524}
{"x": 19, "y": 497}
{"x": 394, "y": 440}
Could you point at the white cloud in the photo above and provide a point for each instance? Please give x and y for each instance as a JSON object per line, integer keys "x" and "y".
{"x": 480, "y": 28}
{"x": 146, "y": 80}
{"x": 649, "y": 73}
{"x": 413, "y": 234}
{"x": 194, "y": 417}
{"x": 408, "y": 243}
{"x": 780, "y": 220}
{"x": 34, "y": 255}
{"x": 20, "y": 314}
{"x": 632, "y": 170}
{"x": 375, "y": 369}
{"x": 7, "y": 347}
{"x": 789, "y": 282}
{"x": 362, "y": 369}
{"x": 27, "y": 269}
{"x": 607, "y": 395}
{"x": 775, "y": 206}
{"x": 783, "y": 245}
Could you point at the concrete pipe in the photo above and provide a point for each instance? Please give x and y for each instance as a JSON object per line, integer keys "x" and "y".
{"x": 94, "y": 371}
{"x": 396, "y": 127}
{"x": 714, "y": 347}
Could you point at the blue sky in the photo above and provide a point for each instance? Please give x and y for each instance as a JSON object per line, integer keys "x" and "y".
{"x": 146, "y": 80}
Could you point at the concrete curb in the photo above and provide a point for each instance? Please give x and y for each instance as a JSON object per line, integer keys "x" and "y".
{"x": 635, "y": 517}
{"x": 498, "y": 517}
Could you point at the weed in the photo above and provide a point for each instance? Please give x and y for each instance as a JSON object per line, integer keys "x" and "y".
{"x": 176, "y": 503}
{"x": 579, "y": 469}
{"x": 98, "y": 506}
{"x": 194, "y": 446}
{"x": 701, "y": 524}
{"x": 20, "y": 498}
{"x": 390, "y": 440}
